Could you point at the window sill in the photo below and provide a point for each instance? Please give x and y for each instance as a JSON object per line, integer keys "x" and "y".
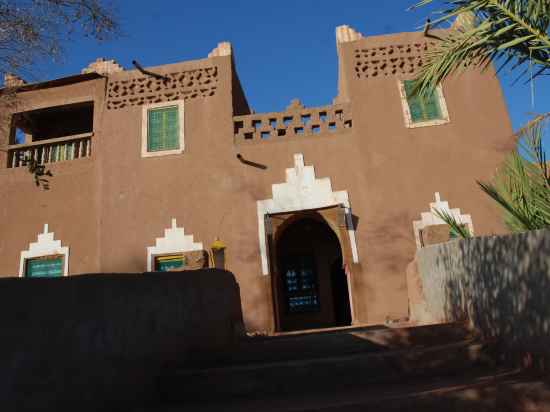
{"x": 162, "y": 153}
{"x": 439, "y": 122}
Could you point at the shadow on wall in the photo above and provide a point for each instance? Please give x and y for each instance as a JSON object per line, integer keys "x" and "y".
{"x": 99, "y": 342}
{"x": 501, "y": 284}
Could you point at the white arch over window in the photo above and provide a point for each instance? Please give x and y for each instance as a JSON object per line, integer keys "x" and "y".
{"x": 174, "y": 241}
{"x": 46, "y": 245}
{"x": 431, "y": 219}
{"x": 302, "y": 191}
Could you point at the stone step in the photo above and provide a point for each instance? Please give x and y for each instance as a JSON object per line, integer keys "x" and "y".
{"x": 319, "y": 374}
{"x": 341, "y": 342}
{"x": 471, "y": 391}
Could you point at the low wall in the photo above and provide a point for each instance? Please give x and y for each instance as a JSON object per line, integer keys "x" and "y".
{"x": 98, "y": 342}
{"x": 501, "y": 284}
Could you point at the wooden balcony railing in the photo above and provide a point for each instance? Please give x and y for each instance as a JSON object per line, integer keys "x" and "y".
{"x": 51, "y": 151}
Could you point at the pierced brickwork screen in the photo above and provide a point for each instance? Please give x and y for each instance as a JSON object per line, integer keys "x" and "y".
{"x": 296, "y": 121}
{"x": 147, "y": 89}
{"x": 401, "y": 59}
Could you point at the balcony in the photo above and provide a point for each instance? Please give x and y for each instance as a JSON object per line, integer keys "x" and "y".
{"x": 51, "y": 134}
{"x": 51, "y": 150}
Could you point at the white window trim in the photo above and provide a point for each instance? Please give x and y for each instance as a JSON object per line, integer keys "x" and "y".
{"x": 432, "y": 219}
{"x": 175, "y": 241}
{"x": 144, "y": 129}
{"x": 407, "y": 111}
{"x": 43, "y": 247}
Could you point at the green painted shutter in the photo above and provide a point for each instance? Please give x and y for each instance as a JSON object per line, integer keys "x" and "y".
{"x": 163, "y": 129}
{"x": 44, "y": 267}
{"x": 167, "y": 263}
{"x": 432, "y": 110}
{"x": 423, "y": 108}
{"x": 414, "y": 101}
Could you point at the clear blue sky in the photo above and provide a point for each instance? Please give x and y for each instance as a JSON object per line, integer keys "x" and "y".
{"x": 283, "y": 49}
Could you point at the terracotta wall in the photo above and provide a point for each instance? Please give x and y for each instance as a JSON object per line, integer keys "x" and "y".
{"x": 395, "y": 170}
{"x": 99, "y": 342}
{"x": 110, "y": 207}
{"x": 70, "y": 206}
{"x": 499, "y": 283}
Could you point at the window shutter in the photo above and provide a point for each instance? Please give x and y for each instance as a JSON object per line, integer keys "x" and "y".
{"x": 44, "y": 267}
{"x": 423, "y": 108}
{"x": 414, "y": 102}
{"x": 432, "y": 109}
{"x": 163, "y": 129}
{"x": 168, "y": 263}
{"x": 172, "y": 140}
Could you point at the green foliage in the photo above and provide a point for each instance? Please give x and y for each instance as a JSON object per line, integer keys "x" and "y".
{"x": 513, "y": 32}
{"x": 457, "y": 229}
{"x": 31, "y": 30}
{"x": 522, "y": 185}
{"x": 39, "y": 172}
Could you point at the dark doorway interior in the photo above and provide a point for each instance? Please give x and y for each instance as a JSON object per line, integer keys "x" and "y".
{"x": 340, "y": 293}
{"x": 311, "y": 284}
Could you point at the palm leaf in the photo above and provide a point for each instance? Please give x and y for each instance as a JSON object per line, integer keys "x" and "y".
{"x": 456, "y": 226}
{"x": 514, "y": 32}
{"x": 522, "y": 185}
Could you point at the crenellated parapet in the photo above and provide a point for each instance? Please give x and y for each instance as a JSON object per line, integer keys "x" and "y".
{"x": 11, "y": 80}
{"x": 295, "y": 121}
{"x": 103, "y": 67}
{"x": 222, "y": 49}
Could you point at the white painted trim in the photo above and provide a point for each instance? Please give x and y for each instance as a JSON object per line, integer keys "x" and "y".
{"x": 407, "y": 111}
{"x": 431, "y": 219}
{"x": 174, "y": 241}
{"x": 144, "y": 121}
{"x": 302, "y": 191}
{"x": 46, "y": 245}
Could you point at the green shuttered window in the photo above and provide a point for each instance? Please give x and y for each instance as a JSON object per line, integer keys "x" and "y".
{"x": 163, "y": 129}
{"x": 44, "y": 267}
{"x": 422, "y": 108}
{"x": 170, "y": 263}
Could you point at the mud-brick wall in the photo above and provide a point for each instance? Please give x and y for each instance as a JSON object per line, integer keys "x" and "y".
{"x": 99, "y": 342}
{"x": 500, "y": 283}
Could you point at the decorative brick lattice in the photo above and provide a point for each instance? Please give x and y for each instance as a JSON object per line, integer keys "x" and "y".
{"x": 147, "y": 89}
{"x": 403, "y": 59}
{"x": 296, "y": 121}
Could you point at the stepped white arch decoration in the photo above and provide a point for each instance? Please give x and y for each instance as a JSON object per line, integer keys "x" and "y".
{"x": 430, "y": 218}
{"x": 174, "y": 241}
{"x": 302, "y": 191}
{"x": 46, "y": 245}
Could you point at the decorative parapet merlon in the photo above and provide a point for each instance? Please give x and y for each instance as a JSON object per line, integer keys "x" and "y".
{"x": 102, "y": 66}
{"x": 11, "y": 80}
{"x": 222, "y": 49}
{"x": 296, "y": 121}
{"x": 346, "y": 34}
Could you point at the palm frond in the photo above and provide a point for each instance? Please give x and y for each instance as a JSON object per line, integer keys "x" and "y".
{"x": 514, "y": 32}
{"x": 522, "y": 185}
{"x": 457, "y": 228}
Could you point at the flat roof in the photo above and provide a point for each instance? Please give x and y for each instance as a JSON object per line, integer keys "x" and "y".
{"x": 62, "y": 81}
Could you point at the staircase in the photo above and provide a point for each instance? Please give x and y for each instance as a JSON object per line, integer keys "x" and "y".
{"x": 352, "y": 369}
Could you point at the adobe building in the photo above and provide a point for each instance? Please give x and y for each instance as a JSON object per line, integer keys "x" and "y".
{"x": 316, "y": 210}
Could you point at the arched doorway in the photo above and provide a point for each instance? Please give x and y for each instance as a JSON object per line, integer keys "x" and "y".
{"x": 311, "y": 285}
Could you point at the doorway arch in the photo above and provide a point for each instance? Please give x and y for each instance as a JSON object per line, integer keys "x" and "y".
{"x": 311, "y": 284}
